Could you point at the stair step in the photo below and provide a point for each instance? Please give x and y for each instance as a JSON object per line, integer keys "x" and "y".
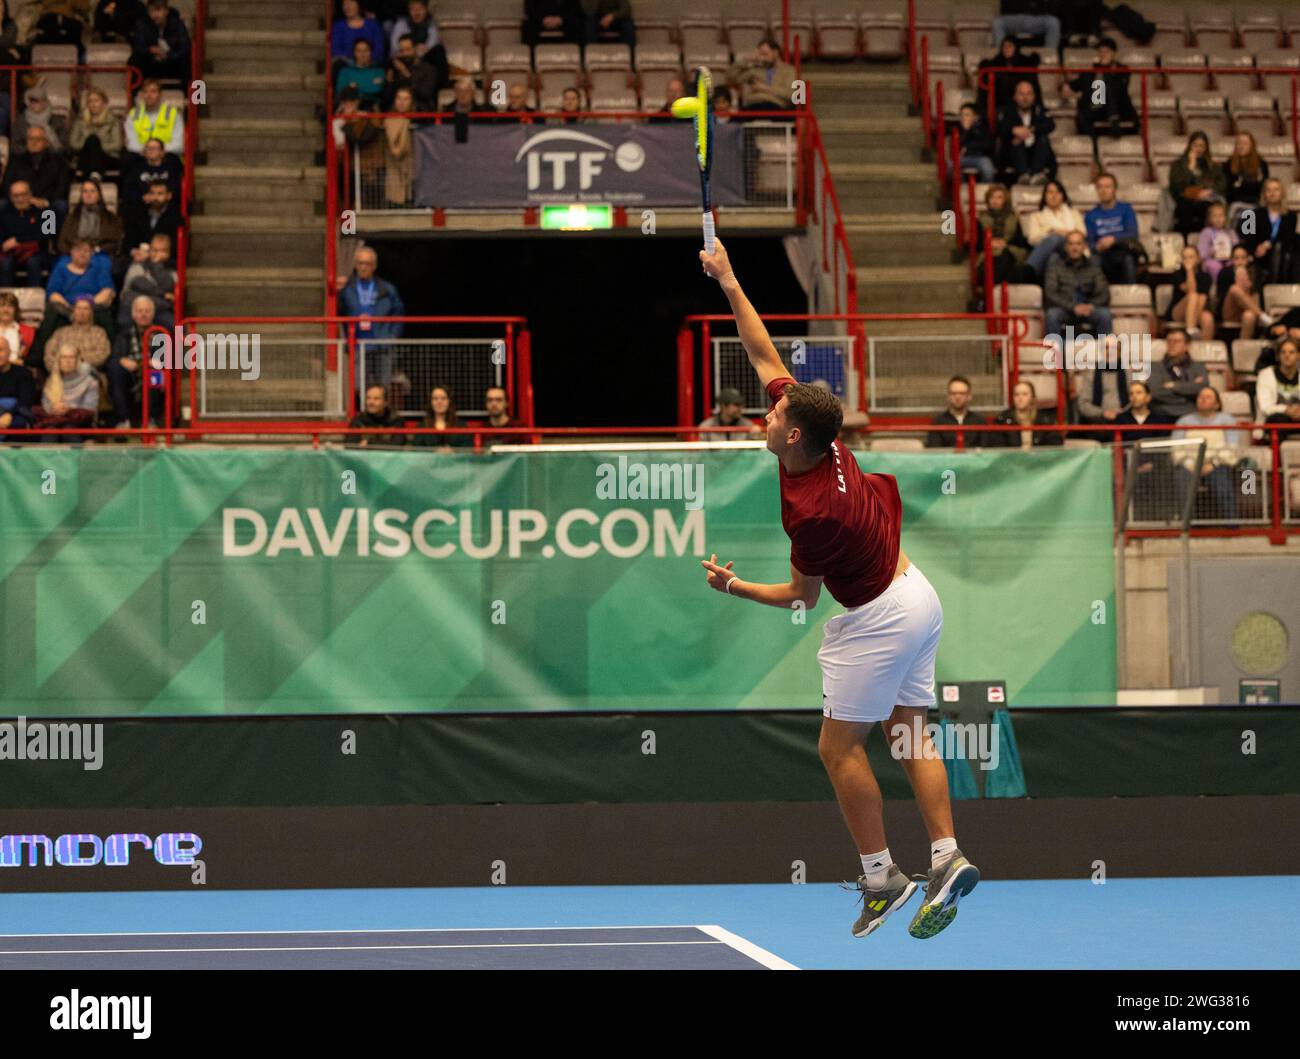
{"x": 868, "y": 151}
{"x": 216, "y": 40}
{"x": 283, "y": 250}
{"x": 259, "y": 126}
{"x": 837, "y": 123}
{"x": 232, "y": 207}
{"x": 225, "y": 154}
{"x": 254, "y": 62}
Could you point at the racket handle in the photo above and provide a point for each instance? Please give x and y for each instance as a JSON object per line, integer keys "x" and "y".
{"x": 710, "y": 236}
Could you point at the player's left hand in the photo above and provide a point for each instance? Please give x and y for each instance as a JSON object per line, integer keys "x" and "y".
{"x": 718, "y": 575}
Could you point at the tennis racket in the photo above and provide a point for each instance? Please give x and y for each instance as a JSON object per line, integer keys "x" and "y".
{"x": 704, "y": 147}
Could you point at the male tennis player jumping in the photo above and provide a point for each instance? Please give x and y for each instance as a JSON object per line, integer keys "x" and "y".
{"x": 877, "y": 658}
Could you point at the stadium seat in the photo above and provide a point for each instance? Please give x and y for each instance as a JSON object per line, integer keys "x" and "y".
{"x": 1124, "y": 158}
{"x": 1045, "y": 385}
{"x": 1254, "y": 112}
{"x": 107, "y": 55}
{"x": 897, "y": 445}
{"x": 836, "y": 26}
{"x": 467, "y": 60}
{"x": 458, "y": 30}
{"x": 31, "y": 303}
{"x": 1279, "y": 297}
{"x": 1183, "y": 82}
{"x": 884, "y": 34}
{"x": 1162, "y": 111}
{"x": 1204, "y": 110}
{"x": 744, "y": 34}
{"x": 1260, "y": 30}
{"x": 1130, "y": 305}
{"x": 1212, "y": 28}
{"x": 1027, "y": 300}
{"x": 1245, "y": 352}
{"x": 658, "y": 57}
{"x": 1237, "y": 403}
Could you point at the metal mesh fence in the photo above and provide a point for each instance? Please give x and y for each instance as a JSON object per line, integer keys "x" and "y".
{"x": 809, "y": 358}
{"x": 1231, "y": 487}
{"x": 411, "y": 367}
{"x": 909, "y": 373}
{"x": 291, "y": 380}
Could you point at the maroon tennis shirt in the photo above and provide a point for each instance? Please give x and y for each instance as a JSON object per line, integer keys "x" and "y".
{"x": 843, "y": 524}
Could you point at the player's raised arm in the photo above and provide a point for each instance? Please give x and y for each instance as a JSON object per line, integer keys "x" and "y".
{"x": 763, "y": 356}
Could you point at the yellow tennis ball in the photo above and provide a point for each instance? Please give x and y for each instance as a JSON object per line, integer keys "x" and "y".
{"x": 686, "y": 107}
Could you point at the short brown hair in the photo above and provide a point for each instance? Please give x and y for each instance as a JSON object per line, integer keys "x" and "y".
{"x": 816, "y": 412}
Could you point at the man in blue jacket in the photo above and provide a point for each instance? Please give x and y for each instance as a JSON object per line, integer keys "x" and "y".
{"x": 1112, "y": 232}
{"x": 370, "y": 298}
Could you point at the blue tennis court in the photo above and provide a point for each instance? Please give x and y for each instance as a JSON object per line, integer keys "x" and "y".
{"x": 1211, "y": 923}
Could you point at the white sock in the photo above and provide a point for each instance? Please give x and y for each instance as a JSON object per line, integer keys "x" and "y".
{"x": 941, "y": 851}
{"x": 875, "y": 866}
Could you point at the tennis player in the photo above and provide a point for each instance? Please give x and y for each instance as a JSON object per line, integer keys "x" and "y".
{"x": 877, "y": 658}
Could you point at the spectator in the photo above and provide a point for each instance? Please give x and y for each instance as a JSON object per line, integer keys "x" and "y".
{"x": 1192, "y": 287}
{"x": 1010, "y": 248}
{"x": 44, "y": 172}
{"x": 1152, "y": 480}
{"x": 12, "y": 52}
{"x": 1221, "y": 452}
{"x": 1238, "y": 298}
{"x": 609, "y": 21}
{"x": 38, "y": 112}
{"x": 399, "y": 158}
{"x": 1007, "y": 71}
{"x": 60, "y": 25}
{"x": 1216, "y": 240}
{"x": 17, "y": 390}
{"x": 155, "y": 215}
{"x": 403, "y": 66}
{"x": 721, "y": 104}
{"x": 153, "y": 166}
{"x": 19, "y": 336}
{"x": 368, "y": 78}
{"x": 517, "y": 99}
{"x": 1140, "y": 413}
{"x": 1247, "y": 171}
{"x": 1277, "y": 390}
{"x": 352, "y": 27}
{"x": 350, "y": 134}
{"x": 1024, "y": 128}
{"x": 1047, "y": 229}
{"x": 79, "y": 274}
{"x": 70, "y": 397}
{"x": 1176, "y": 379}
{"x": 1268, "y": 232}
{"x": 570, "y": 103}
{"x": 957, "y": 414}
{"x": 376, "y": 414}
{"x": 1113, "y": 232}
{"x": 465, "y": 102}
{"x": 1024, "y": 413}
{"x": 115, "y": 20}
{"x": 1101, "y": 391}
{"x": 552, "y": 22}
{"x": 417, "y": 24}
{"x": 1075, "y": 291}
{"x": 153, "y": 278}
{"x": 160, "y": 44}
{"x": 765, "y": 82}
{"x": 126, "y": 365}
{"x": 1103, "y": 95}
{"x": 1195, "y": 180}
{"x": 91, "y": 220}
{"x": 23, "y": 241}
{"x": 730, "y": 413}
{"x": 674, "y": 89}
{"x": 498, "y": 415}
{"x": 370, "y": 299}
{"x": 83, "y": 334}
{"x": 96, "y": 137}
{"x": 1278, "y": 332}
{"x": 1030, "y": 17}
{"x": 151, "y": 118}
{"x": 976, "y": 145}
{"x": 441, "y": 415}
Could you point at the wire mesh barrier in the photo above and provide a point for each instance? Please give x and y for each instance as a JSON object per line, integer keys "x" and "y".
{"x": 906, "y": 373}
{"x": 269, "y": 371}
{"x": 771, "y": 157}
{"x": 1209, "y": 478}
{"x": 409, "y": 369}
{"x": 824, "y": 359}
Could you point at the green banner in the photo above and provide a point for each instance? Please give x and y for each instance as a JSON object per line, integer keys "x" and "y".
{"x": 239, "y": 581}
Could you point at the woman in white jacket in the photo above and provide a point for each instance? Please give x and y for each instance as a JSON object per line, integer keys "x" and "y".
{"x": 1046, "y": 230}
{"x": 1277, "y": 390}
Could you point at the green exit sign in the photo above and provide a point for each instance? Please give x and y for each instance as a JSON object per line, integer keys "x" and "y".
{"x": 577, "y": 217}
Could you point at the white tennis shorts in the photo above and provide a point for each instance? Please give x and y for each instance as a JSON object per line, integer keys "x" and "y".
{"x": 881, "y": 654}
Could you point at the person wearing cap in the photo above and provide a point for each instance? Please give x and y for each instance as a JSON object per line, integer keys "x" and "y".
{"x": 1103, "y": 95}
{"x": 38, "y": 112}
{"x": 730, "y": 413}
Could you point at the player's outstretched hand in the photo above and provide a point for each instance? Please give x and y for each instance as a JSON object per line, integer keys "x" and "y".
{"x": 718, "y": 575}
{"x": 716, "y": 264}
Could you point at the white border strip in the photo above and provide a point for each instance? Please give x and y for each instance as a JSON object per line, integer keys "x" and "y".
{"x": 362, "y": 930}
{"x": 760, "y": 955}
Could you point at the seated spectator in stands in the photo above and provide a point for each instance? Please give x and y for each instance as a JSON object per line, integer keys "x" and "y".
{"x": 376, "y": 414}
{"x": 1278, "y": 332}
{"x": 70, "y": 397}
{"x": 1176, "y": 379}
{"x": 1030, "y": 17}
{"x": 153, "y": 278}
{"x": 976, "y": 145}
{"x": 1192, "y": 296}
{"x": 1140, "y": 413}
{"x": 12, "y": 52}
{"x": 126, "y": 366}
{"x": 1221, "y": 453}
{"x": 730, "y": 413}
{"x": 1010, "y": 247}
{"x": 115, "y": 20}
{"x": 1277, "y": 390}
{"x": 1113, "y": 232}
{"x": 464, "y": 103}
{"x": 570, "y": 103}
{"x": 1238, "y": 296}
{"x": 764, "y": 81}
{"x": 1195, "y": 180}
{"x": 370, "y": 299}
{"x": 39, "y": 112}
{"x": 82, "y": 333}
{"x": 368, "y": 78}
{"x": 1216, "y": 240}
{"x": 17, "y": 390}
{"x": 1101, "y": 392}
{"x": 1047, "y": 229}
{"x": 18, "y": 334}
{"x": 23, "y": 242}
{"x": 1024, "y": 413}
{"x": 957, "y": 414}
{"x": 160, "y": 44}
{"x": 441, "y": 415}
{"x": 403, "y": 66}
{"x": 722, "y": 107}
{"x": 1246, "y": 171}
{"x": 552, "y": 22}
{"x": 60, "y": 25}
{"x": 674, "y": 89}
{"x": 418, "y": 24}
{"x": 1011, "y": 61}
{"x": 355, "y": 25}
{"x": 1024, "y": 131}
{"x": 609, "y": 21}
{"x": 80, "y": 274}
{"x": 156, "y": 214}
{"x": 151, "y": 118}
{"x": 1075, "y": 291}
{"x": 97, "y": 139}
{"x": 517, "y": 99}
{"x": 1103, "y": 95}
{"x": 1268, "y": 232}
{"x": 91, "y": 220}
{"x": 498, "y": 415}
{"x": 154, "y": 166}
{"x": 44, "y": 172}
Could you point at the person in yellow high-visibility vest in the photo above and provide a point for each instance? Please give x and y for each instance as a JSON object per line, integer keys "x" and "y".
{"x": 152, "y": 119}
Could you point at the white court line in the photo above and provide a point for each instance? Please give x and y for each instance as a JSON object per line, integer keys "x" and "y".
{"x": 760, "y": 955}
{"x": 365, "y": 948}
{"x": 327, "y": 930}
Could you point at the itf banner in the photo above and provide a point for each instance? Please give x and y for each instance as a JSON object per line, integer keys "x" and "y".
{"x": 237, "y": 581}
{"x": 621, "y": 164}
